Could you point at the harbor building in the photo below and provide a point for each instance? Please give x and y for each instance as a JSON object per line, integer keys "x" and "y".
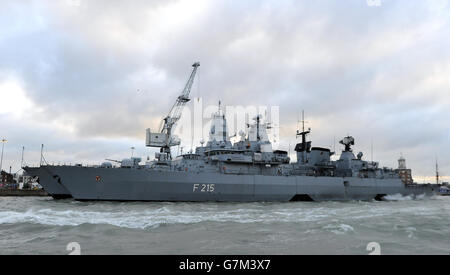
{"x": 6, "y": 178}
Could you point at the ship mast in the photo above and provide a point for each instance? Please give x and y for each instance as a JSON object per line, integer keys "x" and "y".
{"x": 303, "y": 134}
{"x": 437, "y": 172}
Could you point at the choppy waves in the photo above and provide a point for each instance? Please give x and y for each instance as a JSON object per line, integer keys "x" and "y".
{"x": 404, "y": 223}
{"x": 151, "y": 215}
{"x": 174, "y": 214}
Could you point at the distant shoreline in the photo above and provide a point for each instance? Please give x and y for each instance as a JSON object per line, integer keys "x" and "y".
{"x": 22, "y": 193}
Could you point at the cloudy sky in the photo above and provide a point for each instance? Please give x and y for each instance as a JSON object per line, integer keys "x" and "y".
{"x": 86, "y": 78}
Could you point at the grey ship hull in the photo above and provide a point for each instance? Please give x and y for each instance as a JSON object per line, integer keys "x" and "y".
{"x": 117, "y": 184}
{"x": 48, "y": 182}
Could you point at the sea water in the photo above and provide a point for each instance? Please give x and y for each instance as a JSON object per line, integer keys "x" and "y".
{"x": 399, "y": 225}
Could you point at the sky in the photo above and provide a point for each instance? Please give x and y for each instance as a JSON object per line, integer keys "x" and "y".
{"x": 86, "y": 78}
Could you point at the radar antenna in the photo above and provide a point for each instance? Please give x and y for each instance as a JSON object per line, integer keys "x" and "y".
{"x": 348, "y": 142}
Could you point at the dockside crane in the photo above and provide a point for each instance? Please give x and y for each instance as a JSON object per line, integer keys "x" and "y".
{"x": 164, "y": 138}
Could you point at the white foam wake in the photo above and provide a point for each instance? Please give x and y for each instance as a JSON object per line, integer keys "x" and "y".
{"x": 151, "y": 218}
{"x": 400, "y": 197}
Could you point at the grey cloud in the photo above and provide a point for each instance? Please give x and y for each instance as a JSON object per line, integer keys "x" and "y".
{"x": 371, "y": 72}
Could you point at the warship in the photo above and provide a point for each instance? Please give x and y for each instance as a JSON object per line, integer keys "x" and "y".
{"x": 247, "y": 171}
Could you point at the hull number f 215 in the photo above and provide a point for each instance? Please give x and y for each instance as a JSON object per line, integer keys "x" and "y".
{"x": 206, "y": 188}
